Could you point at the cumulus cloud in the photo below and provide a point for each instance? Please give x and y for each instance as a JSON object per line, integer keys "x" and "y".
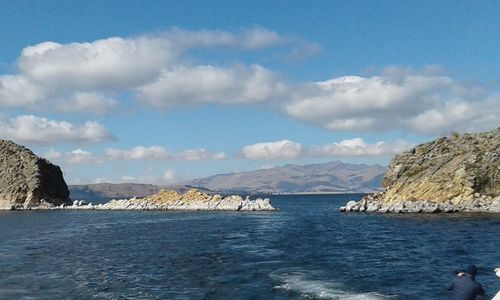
{"x": 250, "y": 38}
{"x": 208, "y": 84}
{"x": 358, "y": 147}
{"x": 18, "y": 91}
{"x": 76, "y": 76}
{"x": 77, "y": 156}
{"x": 29, "y": 129}
{"x": 160, "y": 153}
{"x": 200, "y": 154}
{"x": 125, "y": 63}
{"x": 138, "y": 153}
{"x": 284, "y": 149}
{"x": 422, "y": 102}
{"x": 89, "y": 102}
{"x": 103, "y": 64}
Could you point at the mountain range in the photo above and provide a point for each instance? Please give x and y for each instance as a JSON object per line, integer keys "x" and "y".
{"x": 331, "y": 177}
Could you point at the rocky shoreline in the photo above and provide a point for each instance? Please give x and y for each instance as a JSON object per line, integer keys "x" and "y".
{"x": 460, "y": 173}
{"x": 370, "y": 203}
{"x": 192, "y": 200}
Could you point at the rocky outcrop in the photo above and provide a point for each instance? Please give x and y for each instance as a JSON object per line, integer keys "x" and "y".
{"x": 460, "y": 173}
{"x": 171, "y": 200}
{"x": 28, "y": 181}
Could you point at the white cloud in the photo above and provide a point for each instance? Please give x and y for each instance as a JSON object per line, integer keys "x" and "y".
{"x": 80, "y": 156}
{"x": 422, "y": 102}
{"x": 138, "y": 153}
{"x": 74, "y": 76}
{"x": 459, "y": 115}
{"x": 34, "y": 130}
{"x": 101, "y": 180}
{"x": 208, "y": 84}
{"x": 18, "y": 91}
{"x": 250, "y": 39}
{"x": 283, "y": 149}
{"x": 102, "y": 64}
{"x": 127, "y": 178}
{"x": 77, "y": 156}
{"x": 200, "y": 154}
{"x": 160, "y": 153}
{"x": 358, "y": 147}
{"x": 125, "y": 63}
{"x": 169, "y": 176}
{"x": 286, "y": 149}
{"x": 89, "y": 102}
{"x": 258, "y": 38}
{"x": 52, "y": 154}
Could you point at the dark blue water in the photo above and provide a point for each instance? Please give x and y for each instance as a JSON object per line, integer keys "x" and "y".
{"x": 306, "y": 250}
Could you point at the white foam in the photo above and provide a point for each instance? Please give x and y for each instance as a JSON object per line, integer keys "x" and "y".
{"x": 318, "y": 289}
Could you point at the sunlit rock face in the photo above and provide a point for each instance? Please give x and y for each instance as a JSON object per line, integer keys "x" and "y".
{"x": 457, "y": 173}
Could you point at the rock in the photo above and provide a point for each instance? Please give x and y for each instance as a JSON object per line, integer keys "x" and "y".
{"x": 495, "y": 206}
{"x": 430, "y": 207}
{"x": 191, "y": 200}
{"x": 350, "y": 205}
{"x": 372, "y": 206}
{"x": 383, "y": 210}
{"x": 460, "y": 173}
{"x": 28, "y": 181}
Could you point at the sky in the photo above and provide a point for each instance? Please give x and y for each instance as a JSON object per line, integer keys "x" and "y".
{"x": 167, "y": 91}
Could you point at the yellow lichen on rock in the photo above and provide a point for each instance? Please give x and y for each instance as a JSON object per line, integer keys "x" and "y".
{"x": 457, "y": 173}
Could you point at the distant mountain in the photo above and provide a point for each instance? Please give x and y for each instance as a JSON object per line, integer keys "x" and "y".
{"x": 331, "y": 177}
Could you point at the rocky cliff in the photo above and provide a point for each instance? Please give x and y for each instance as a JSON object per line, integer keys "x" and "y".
{"x": 28, "y": 181}
{"x": 457, "y": 173}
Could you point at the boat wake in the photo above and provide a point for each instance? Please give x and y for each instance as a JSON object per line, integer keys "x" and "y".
{"x": 310, "y": 288}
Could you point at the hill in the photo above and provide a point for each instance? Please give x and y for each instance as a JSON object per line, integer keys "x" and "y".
{"x": 331, "y": 177}
{"x": 457, "y": 173}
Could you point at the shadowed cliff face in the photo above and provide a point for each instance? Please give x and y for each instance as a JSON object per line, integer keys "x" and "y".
{"x": 28, "y": 181}
{"x": 457, "y": 168}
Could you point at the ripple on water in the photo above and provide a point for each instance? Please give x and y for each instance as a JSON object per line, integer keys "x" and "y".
{"x": 305, "y": 250}
{"x": 308, "y": 285}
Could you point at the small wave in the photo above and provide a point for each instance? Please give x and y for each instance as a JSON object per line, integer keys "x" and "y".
{"x": 298, "y": 282}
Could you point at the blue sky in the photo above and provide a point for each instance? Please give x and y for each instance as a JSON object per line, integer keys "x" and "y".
{"x": 165, "y": 91}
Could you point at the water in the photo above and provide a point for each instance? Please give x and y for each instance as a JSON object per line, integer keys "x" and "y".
{"x": 304, "y": 251}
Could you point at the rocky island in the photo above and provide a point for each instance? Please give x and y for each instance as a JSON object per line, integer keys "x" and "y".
{"x": 460, "y": 173}
{"x": 28, "y": 182}
{"x": 172, "y": 200}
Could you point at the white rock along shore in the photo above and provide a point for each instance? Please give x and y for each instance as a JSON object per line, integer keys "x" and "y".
{"x": 192, "y": 200}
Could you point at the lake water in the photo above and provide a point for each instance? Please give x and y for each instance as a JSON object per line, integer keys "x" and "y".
{"x": 307, "y": 250}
